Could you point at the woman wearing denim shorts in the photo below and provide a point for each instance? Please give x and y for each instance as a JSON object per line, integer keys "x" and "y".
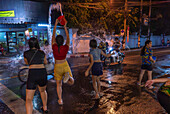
{"x": 96, "y": 66}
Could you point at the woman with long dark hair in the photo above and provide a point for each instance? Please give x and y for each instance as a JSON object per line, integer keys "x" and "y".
{"x": 147, "y": 60}
{"x": 37, "y": 76}
{"x": 61, "y": 69}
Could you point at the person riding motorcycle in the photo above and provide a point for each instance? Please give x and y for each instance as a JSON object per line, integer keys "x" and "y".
{"x": 117, "y": 44}
{"x": 116, "y": 47}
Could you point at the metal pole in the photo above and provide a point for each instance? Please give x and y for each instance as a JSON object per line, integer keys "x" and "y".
{"x": 140, "y": 29}
{"x": 125, "y": 16}
{"x": 49, "y": 25}
{"x": 149, "y": 26}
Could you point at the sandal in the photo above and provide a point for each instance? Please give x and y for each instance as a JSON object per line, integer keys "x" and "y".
{"x": 151, "y": 87}
{"x": 97, "y": 96}
{"x": 45, "y": 111}
{"x": 101, "y": 94}
{"x": 60, "y": 102}
{"x": 141, "y": 85}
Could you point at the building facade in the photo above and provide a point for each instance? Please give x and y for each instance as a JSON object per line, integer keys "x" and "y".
{"x": 19, "y": 21}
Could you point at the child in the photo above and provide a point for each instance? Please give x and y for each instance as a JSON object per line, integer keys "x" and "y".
{"x": 96, "y": 66}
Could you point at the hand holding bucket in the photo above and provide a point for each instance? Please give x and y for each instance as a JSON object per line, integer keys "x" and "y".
{"x": 62, "y": 20}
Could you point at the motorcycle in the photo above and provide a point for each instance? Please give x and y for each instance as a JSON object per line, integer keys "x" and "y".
{"x": 116, "y": 56}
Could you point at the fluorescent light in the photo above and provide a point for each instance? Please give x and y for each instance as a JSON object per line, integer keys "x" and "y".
{"x": 43, "y": 25}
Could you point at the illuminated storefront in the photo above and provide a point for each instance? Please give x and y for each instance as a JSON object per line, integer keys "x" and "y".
{"x": 21, "y": 20}
{"x": 15, "y": 37}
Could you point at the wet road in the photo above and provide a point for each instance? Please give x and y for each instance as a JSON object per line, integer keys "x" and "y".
{"x": 120, "y": 93}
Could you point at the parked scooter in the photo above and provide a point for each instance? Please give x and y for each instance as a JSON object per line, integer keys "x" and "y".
{"x": 116, "y": 57}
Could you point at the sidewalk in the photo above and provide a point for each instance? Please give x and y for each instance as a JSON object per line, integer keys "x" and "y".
{"x": 4, "y": 109}
{"x": 11, "y": 102}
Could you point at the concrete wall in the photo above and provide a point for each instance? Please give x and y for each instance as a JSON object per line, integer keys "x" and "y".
{"x": 156, "y": 41}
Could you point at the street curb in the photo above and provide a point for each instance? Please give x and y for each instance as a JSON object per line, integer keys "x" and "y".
{"x": 87, "y": 55}
{"x": 15, "y": 103}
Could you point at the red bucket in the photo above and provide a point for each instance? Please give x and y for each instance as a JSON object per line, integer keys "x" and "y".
{"x": 61, "y": 20}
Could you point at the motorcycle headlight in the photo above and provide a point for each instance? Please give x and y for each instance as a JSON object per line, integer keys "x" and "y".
{"x": 110, "y": 48}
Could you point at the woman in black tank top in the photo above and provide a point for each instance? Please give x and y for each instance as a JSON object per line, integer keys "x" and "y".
{"x": 37, "y": 76}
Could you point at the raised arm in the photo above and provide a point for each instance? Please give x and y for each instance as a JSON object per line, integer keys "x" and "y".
{"x": 67, "y": 34}
{"x": 54, "y": 32}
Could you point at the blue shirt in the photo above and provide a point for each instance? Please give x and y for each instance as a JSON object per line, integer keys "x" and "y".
{"x": 95, "y": 53}
{"x": 146, "y": 58}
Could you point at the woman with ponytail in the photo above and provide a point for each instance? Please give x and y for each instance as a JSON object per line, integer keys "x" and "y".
{"x": 61, "y": 69}
{"x": 147, "y": 60}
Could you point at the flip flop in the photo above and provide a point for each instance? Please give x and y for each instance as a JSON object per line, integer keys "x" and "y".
{"x": 60, "y": 103}
{"x": 45, "y": 111}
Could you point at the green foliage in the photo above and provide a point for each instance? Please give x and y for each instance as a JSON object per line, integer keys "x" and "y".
{"x": 98, "y": 17}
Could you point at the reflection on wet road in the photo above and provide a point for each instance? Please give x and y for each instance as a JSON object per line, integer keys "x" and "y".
{"x": 120, "y": 93}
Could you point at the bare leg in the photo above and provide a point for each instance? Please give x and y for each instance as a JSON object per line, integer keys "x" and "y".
{"x": 29, "y": 98}
{"x": 70, "y": 81}
{"x": 141, "y": 76}
{"x": 98, "y": 84}
{"x": 149, "y": 75}
{"x": 59, "y": 90}
{"x": 150, "y": 78}
{"x": 43, "y": 94}
{"x": 95, "y": 86}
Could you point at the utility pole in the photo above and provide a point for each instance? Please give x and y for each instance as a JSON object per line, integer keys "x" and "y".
{"x": 140, "y": 28}
{"x": 125, "y": 18}
{"x": 149, "y": 26}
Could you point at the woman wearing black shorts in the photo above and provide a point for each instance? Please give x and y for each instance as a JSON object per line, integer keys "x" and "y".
{"x": 36, "y": 59}
{"x": 147, "y": 61}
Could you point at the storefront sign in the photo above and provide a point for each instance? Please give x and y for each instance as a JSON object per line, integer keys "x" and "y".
{"x": 7, "y": 13}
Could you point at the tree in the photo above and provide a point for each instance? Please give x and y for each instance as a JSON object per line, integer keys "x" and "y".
{"x": 97, "y": 17}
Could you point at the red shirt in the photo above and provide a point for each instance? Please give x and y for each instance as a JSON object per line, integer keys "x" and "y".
{"x": 63, "y": 51}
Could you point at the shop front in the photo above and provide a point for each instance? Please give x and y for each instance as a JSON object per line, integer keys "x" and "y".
{"x": 15, "y": 40}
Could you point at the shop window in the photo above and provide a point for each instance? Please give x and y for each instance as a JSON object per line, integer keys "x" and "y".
{"x": 41, "y": 35}
{"x": 30, "y": 33}
{"x": 13, "y": 47}
{"x": 11, "y": 37}
{"x": 3, "y": 40}
{"x": 20, "y": 38}
{"x": 45, "y": 36}
{"x": 2, "y": 36}
{"x": 35, "y": 33}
